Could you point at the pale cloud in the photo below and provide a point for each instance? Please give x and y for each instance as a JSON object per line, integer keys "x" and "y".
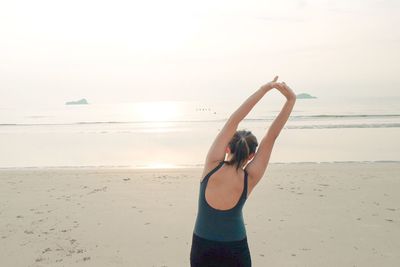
{"x": 301, "y": 4}
{"x": 144, "y": 50}
{"x": 280, "y": 19}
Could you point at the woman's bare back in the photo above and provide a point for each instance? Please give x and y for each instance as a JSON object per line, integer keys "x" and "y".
{"x": 225, "y": 186}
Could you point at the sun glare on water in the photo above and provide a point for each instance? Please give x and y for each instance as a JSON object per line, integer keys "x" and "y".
{"x": 157, "y": 111}
{"x": 159, "y": 165}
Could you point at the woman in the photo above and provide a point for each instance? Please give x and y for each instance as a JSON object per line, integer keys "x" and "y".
{"x": 219, "y": 236}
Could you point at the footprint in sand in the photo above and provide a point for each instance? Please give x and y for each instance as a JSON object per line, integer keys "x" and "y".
{"x": 389, "y": 220}
{"x": 39, "y": 259}
{"x": 70, "y": 252}
{"x": 391, "y": 209}
{"x": 98, "y": 190}
{"x": 46, "y": 250}
{"x": 147, "y": 223}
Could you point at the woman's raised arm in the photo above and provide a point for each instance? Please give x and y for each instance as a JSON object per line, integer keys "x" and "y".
{"x": 256, "y": 168}
{"x": 217, "y": 150}
{"x": 245, "y": 108}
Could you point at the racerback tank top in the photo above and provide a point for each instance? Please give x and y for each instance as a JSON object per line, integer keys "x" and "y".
{"x": 220, "y": 225}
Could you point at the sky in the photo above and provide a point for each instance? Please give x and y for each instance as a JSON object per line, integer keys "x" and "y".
{"x": 125, "y": 51}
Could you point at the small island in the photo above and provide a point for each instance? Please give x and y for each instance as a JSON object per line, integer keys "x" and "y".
{"x": 305, "y": 96}
{"x": 82, "y": 101}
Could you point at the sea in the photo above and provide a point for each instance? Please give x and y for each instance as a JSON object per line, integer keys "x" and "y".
{"x": 178, "y": 134}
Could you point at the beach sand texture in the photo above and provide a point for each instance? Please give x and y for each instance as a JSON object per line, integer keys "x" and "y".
{"x": 300, "y": 214}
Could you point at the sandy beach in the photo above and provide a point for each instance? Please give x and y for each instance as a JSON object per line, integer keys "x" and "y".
{"x": 300, "y": 214}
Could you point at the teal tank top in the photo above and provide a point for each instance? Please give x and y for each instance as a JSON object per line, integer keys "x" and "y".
{"x": 220, "y": 225}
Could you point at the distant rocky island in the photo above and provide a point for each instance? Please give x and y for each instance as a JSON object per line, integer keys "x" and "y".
{"x": 82, "y": 101}
{"x": 304, "y": 96}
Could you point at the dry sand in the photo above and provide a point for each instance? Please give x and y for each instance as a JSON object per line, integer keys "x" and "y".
{"x": 327, "y": 214}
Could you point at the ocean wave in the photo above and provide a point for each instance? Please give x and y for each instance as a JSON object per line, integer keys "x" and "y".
{"x": 341, "y": 126}
{"x": 106, "y": 122}
{"x": 330, "y": 116}
{"x": 348, "y": 116}
{"x": 188, "y": 166}
{"x": 330, "y": 121}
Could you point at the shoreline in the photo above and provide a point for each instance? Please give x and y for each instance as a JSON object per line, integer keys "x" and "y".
{"x": 188, "y": 167}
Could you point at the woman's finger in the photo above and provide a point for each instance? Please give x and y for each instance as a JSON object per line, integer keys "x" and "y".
{"x": 287, "y": 86}
{"x": 279, "y": 85}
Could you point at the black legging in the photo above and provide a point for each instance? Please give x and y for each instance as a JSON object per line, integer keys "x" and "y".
{"x": 209, "y": 253}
